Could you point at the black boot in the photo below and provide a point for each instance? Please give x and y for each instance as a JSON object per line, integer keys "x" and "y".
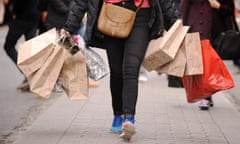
{"x": 175, "y": 82}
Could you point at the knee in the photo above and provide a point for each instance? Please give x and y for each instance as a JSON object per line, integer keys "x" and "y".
{"x": 6, "y": 46}
{"x": 9, "y": 47}
{"x": 131, "y": 70}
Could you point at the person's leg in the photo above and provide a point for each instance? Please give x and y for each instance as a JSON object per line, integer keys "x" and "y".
{"x": 16, "y": 29}
{"x": 14, "y": 33}
{"x": 134, "y": 51}
{"x": 30, "y": 32}
{"x": 236, "y": 62}
{"x": 115, "y": 57}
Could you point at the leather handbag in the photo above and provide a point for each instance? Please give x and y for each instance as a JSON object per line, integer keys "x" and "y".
{"x": 227, "y": 45}
{"x": 116, "y": 21}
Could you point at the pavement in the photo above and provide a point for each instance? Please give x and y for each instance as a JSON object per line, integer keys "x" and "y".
{"x": 163, "y": 117}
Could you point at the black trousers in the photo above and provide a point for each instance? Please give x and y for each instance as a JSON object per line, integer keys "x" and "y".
{"x": 125, "y": 57}
{"x": 17, "y": 28}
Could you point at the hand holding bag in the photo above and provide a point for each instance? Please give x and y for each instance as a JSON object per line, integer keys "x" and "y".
{"x": 74, "y": 76}
{"x": 74, "y": 71}
{"x": 116, "y": 21}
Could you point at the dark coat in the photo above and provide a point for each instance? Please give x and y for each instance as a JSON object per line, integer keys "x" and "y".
{"x": 27, "y": 10}
{"x": 58, "y": 11}
{"x": 198, "y": 15}
{"x": 207, "y": 21}
{"x": 224, "y": 18}
{"x": 161, "y": 9}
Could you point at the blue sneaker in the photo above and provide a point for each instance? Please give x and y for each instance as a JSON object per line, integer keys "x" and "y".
{"x": 117, "y": 124}
{"x": 128, "y": 129}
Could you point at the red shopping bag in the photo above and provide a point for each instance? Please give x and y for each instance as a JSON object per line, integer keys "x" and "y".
{"x": 215, "y": 77}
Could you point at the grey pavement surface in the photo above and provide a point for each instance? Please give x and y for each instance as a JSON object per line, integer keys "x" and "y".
{"x": 18, "y": 110}
{"x": 163, "y": 116}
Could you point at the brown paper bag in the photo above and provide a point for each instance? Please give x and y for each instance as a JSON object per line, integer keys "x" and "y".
{"x": 164, "y": 49}
{"x": 177, "y": 66}
{"x": 34, "y": 52}
{"x": 74, "y": 76}
{"x": 193, "y": 53}
{"x": 43, "y": 80}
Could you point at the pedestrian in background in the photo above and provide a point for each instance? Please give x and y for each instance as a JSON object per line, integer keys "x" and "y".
{"x": 124, "y": 55}
{"x": 8, "y": 11}
{"x": 174, "y": 81}
{"x": 24, "y": 21}
{"x": 208, "y": 18}
{"x": 224, "y": 19}
{"x": 56, "y": 15}
{"x": 42, "y": 22}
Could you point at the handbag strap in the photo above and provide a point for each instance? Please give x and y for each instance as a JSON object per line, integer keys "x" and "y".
{"x": 139, "y": 7}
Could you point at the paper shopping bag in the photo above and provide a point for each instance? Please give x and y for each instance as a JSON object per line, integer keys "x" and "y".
{"x": 43, "y": 80}
{"x": 215, "y": 77}
{"x": 175, "y": 67}
{"x": 74, "y": 76}
{"x": 34, "y": 52}
{"x": 193, "y": 54}
{"x": 164, "y": 49}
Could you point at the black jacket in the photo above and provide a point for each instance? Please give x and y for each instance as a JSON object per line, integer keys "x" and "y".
{"x": 224, "y": 18}
{"x": 161, "y": 9}
{"x": 58, "y": 11}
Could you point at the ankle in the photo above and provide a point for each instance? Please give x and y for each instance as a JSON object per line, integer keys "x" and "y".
{"x": 129, "y": 117}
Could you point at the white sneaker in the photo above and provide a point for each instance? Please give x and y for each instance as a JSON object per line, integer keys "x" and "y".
{"x": 128, "y": 130}
{"x": 204, "y": 104}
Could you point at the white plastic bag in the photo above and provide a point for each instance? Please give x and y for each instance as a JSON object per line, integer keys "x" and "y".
{"x": 96, "y": 66}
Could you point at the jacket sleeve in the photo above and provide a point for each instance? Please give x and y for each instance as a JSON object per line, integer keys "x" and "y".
{"x": 170, "y": 12}
{"x": 77, "y": 12}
